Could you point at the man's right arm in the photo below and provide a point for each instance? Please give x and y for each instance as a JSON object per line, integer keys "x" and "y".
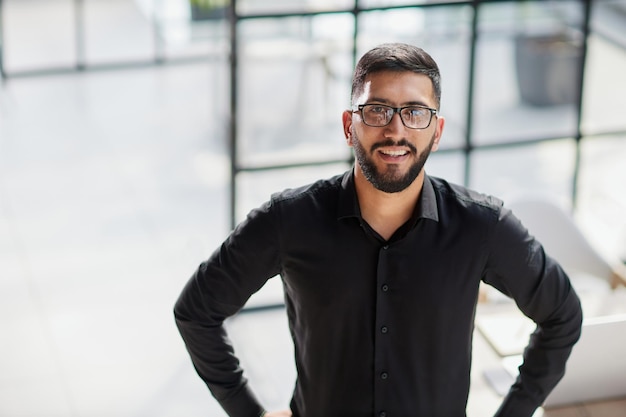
{"x": 218, "y": 289}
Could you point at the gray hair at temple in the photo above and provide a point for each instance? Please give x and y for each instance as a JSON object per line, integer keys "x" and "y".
{"x": 396, "y": 57}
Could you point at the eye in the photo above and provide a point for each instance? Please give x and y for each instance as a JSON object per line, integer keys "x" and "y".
{"x": 375, "y": 109}
{"x": 416, "y": 112}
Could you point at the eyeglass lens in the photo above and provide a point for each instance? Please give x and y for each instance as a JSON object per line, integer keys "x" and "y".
{"x": 414, "y": 117}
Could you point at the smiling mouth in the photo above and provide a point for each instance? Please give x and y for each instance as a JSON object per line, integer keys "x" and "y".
{"x": 390, "y": 149}
{"x": 390, "y": 152}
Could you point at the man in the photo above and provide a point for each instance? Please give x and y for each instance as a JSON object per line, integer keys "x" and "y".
{"x": 381, "y": 269}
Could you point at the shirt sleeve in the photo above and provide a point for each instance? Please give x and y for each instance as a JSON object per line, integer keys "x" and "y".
{"x": 218, "y": 289}
{"x": 518, "y": 266}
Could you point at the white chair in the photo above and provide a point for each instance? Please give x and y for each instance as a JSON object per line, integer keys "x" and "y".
{"x": 563, "y": 240}
{"x": 595, "y": 278}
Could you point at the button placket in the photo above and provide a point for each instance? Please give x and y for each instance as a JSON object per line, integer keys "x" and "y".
{"x": 382, "y": 349}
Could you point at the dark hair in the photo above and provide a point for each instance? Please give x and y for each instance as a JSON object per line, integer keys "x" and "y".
{"x": 396, "y": 57}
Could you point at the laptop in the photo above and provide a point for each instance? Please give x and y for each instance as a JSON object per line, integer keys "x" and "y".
{"x": 596, "y": 369}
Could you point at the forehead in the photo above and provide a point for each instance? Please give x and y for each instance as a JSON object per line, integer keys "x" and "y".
{"x": 397, "y": 88}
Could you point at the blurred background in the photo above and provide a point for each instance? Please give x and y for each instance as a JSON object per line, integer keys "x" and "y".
{"x": 131, "y": 143}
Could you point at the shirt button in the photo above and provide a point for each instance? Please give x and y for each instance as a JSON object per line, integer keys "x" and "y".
{"x": 386, "y": 247}
{"x": 385, "y": 288}
{"x": 384, "y": 375}
{"x": 384, "y": 329}
{"x": 382, "y": 414}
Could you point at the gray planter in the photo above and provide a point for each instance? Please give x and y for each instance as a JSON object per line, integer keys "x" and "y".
{"x": 548, "y": 69}
{"x": 199, "y": 13}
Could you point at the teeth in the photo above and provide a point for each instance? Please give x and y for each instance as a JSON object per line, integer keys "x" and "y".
{"x": 394, "y": 153}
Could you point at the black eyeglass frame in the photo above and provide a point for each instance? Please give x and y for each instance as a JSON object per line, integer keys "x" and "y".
{"x": 433, "y": 112}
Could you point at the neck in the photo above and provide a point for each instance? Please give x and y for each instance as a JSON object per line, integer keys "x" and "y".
{"x": 386, "y": 212}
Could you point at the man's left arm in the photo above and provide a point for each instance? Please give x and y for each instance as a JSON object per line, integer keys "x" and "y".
{"x": 518, "y": 266}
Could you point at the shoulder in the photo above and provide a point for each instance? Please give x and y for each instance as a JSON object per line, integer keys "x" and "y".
{"x": 457, "y": 198}
{"x": 306, "y": 209}
{"x": 325, "y": 189}
{"x": 294, "y": 208}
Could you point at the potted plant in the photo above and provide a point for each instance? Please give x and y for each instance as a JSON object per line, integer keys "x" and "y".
{"x": 548, "y": 63}
{"x": 208, "y": 9}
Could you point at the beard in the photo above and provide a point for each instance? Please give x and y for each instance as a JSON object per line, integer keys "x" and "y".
{"x": 391, "y": 180}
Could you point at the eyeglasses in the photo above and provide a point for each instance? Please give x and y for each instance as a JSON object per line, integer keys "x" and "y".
{"x": 379, "y": 115}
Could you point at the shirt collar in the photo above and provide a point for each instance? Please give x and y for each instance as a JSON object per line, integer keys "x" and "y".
{"x": 349, "y": 204}
{"x": 427, "y": 207}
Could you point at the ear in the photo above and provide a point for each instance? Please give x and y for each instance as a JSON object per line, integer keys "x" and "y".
{"x": 441, "y": 121}
{"x": 346, "y": 119}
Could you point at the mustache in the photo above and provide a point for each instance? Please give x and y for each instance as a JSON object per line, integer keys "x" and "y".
{"x": 391, "y": 142}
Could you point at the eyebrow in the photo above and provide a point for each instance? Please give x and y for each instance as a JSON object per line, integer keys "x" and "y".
{"x": 408, "y": 103}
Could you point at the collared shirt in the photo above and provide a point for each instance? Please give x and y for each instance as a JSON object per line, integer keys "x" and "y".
{"x": 380, "y": 328}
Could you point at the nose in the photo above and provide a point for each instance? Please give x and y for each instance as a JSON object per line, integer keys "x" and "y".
{"x": 395, "y": 126}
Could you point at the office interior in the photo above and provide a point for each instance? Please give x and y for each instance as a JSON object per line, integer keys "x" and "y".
{"x": 131, "y": 143}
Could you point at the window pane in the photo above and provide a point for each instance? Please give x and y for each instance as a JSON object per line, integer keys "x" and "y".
{"x": 384, "y": 3}
{"x": 38, "y": 34}
{"x": 443, "y": 32}
{"x": 245, "y": 7}
{"x": 184, "y": 32}
{"x": 527, "y": 71}
{"x": 116, "y": 30}
{"x": 604, "y": 98}
{"x": 447, "y": 165}
{"x": 602, "y": 192}
{"x": 294, "y": 84}
{"x": 539, "y": 169}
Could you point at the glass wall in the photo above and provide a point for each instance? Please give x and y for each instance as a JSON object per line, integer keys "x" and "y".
{"x": 527, "y": 71}
{"x": 102, "y": 45}
{"x": 528, "y": 95}
{"x": 601, "y": 196}
{"x": 532, "y": 91}
{"x": 53, "y": 26}
{"x": 75, "y": 34}
{"x": 601, "y": 201}
{"x": 294, "y": 82}
{"x": 511, "y": 76}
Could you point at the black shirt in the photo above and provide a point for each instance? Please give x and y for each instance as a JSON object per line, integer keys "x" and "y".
{"x": 380, "y": 328}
